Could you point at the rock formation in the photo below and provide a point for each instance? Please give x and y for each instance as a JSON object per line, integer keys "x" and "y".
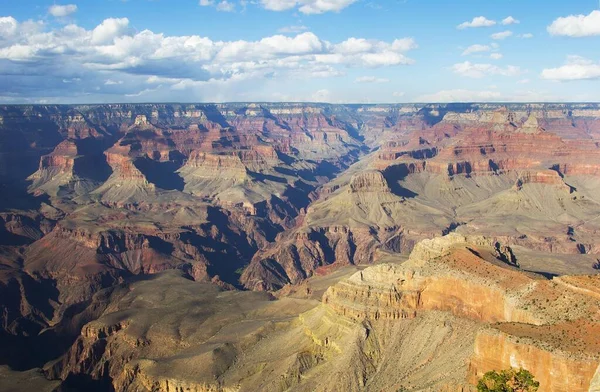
{"x": 498, "y": 204}
{"x": 439, "y": 320}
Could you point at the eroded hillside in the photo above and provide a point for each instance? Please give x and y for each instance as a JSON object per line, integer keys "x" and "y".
{"x": 123, "y": 228}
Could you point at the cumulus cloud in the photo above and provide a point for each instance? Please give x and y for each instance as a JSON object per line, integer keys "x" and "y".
{"x": 60, "y": 11}
{"x": 108, "y": 30}
{"x": 509, "y": 21}
{"x": 576, "y": 68}
{"x": 114, "y": 59}
{"x": 8, "y": 26}
{"x": 496, "y": 56}
{"x": 576, "y": 25}
{"x": 478, "y": 71}
{"x": 526, "y": 36}
{"x": 223, "y": 5}
{"x": 371, "y": 79}
{"x": 307, "y": 6}
{"x": 479, "y": 21}
{"x": 476, "y": 49}
{"x": 502, "y": 35}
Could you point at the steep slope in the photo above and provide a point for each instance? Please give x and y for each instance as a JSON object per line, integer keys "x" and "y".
{"x": 276, "y": 195}
{"x": 123, "y": 190}
{"x": 433, "y": 323}
{"x": 496, "y": 173}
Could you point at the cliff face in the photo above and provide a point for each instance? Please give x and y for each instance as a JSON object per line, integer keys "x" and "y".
{"x": 269, "y": 195}
{"x": 507, "y": 172}
{"x": 456, "y": 309}
{"x": 555, "y": 371}
{"x": 525, "y": 322}
{"x": 310, "y": 348}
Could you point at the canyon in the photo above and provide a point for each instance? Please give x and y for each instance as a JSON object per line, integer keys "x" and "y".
{"x": 298, "y": 247}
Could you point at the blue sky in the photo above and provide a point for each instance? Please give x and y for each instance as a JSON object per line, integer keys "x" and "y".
{"x": 299, "y": 50}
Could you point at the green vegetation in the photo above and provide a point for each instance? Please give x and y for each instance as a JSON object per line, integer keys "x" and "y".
{"x": 511, "y": 380}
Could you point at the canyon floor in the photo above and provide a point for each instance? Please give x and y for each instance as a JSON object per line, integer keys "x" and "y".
{"x": 298, "y": 247}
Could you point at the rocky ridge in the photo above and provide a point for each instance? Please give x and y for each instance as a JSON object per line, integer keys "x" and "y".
{"x": 270, "y": 196}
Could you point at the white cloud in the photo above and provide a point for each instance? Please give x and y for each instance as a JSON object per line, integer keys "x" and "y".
{"x": 60, "y": 11}
{"x": 524, "y": 81}
{"x": 225, "y": 6}
{"x": 369, "y": 53}
{"x": 576, "y": 68}
{"x": 307, "y": 6}
{"x": 496, "y": 56}
{"x": 370, "y": 79}
{"x": 526, "y": 36}
{"x": 576, "y": 25}
{"x": 510, "y": 20}
{"x": 404, "y": 44}
{"x": 8, "y": 26}
{"x": 477, "y": 71}
{"x": 108, "y": 30}
{"x": 502, "y": 35}
{"x": 476, "y": 49}
{"x": 398, "y": 94}
{"x": 480, "y": 21}
{"x": 293, "y": 29}
{"x": 116, "y": 60}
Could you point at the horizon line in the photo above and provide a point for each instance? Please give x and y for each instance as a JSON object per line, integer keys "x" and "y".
{"x": 303, "y": 102}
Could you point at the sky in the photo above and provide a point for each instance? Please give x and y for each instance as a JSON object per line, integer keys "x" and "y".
{"x": 337, "y": 51}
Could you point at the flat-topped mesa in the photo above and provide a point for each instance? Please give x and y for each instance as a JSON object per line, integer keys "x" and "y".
{"x": 209, "y": 165}
{"x": 391, "y": 291}
{"x": 500, "y": 119}
{"x": 442, "y": 274}
{"x": 59, "y": 161}
{"x": 115, "y": 241}
{"x": 430, "y": 249}
{"x": 122, "y": 164}
{"x": 66, "y": 170}
{"x": 127, "y": 185}
{"x": 547, "y": 177}
{"x": 234, "y": 163}
{"x": 369, "y": 181}
{"x": 578, "y": 168}
{"x": 374, "y": 294}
